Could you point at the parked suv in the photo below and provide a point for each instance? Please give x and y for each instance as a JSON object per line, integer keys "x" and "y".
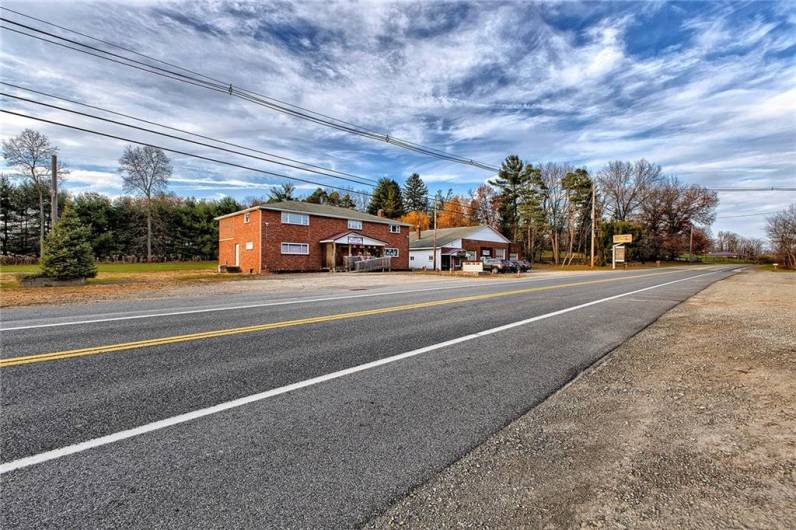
{"x": 521, "y": 265}
{"x": 498, "y": 265}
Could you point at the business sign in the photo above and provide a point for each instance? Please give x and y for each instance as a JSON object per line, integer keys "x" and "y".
{"x": 623, "y": 238}
{"x": 353, "y": 240}
{"x": 472, "y": 266}
{"x": 619, "y": 254}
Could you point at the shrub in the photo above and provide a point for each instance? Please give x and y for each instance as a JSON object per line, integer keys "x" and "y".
{"x": 67, "y": 253}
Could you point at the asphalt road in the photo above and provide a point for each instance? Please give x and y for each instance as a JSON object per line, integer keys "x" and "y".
{"x": 289, "y": 412}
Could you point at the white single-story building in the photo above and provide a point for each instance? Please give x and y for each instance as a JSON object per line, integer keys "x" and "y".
{"x": 455, "y": 245}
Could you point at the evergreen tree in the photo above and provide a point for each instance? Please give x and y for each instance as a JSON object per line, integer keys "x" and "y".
{"x": 387, "y": 196}
{"x": 415, "y": 194}
{"x": 67, "y": 253}
{"x": 513, "y": 175}
{"x": 283, "y": 193}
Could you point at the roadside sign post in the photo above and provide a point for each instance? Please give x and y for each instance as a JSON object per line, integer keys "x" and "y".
{"x": 618, "y": 250}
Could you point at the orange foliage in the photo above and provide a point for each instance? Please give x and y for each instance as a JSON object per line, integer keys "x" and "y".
{"x": 417, "y": 218}
{"x": 453, "y": 214}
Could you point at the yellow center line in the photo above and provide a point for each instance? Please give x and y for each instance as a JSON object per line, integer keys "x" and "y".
{"x": 55, "y": 356}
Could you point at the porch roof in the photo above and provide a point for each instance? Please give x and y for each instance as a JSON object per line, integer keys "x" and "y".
{"x": 353, "y": 238}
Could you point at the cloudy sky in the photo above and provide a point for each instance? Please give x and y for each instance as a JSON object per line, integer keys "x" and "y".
{"x": 706, "y": 90}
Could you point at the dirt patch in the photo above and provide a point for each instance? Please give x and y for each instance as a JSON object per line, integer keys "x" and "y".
{"x": 692, "y": 423}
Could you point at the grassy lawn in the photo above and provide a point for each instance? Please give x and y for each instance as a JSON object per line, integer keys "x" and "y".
{"x": 129, "y": 267}
{"x": 770, "y": 267}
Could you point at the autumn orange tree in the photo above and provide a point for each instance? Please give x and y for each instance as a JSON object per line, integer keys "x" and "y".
{"x": 453, "y": 214}
{"x": 416, "y": 219}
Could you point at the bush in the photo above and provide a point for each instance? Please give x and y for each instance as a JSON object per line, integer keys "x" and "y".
{"x": 67, "y": 253}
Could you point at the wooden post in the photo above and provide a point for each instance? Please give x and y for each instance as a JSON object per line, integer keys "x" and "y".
{"x": 434, "y": 239}
{"x": 593, "y": 195}
{"x": 53, "y": 190}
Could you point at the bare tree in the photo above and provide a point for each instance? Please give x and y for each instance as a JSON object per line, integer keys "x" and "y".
{"x": 781, "y": 231}
{"x": 30, "y": 152}
{"x": 626, "y": 185}
{"x": 555, "y": 202}
{"x": 145, "y": 171}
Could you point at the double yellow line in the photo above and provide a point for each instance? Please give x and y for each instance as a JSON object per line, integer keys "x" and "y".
{"x": 96, "y": 350}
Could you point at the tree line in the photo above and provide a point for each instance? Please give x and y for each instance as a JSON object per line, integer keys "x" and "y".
{"x": 545, "y": 209}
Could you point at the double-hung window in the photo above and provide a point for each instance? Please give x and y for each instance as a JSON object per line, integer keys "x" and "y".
{"x": 302, "y": 249}
{"x": 395, "y": 229}
{"x": 290, "y": 218}
{"x": 353, "y": 224}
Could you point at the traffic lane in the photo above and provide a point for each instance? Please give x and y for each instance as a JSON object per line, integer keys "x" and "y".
{"x": 44, "y": 340}
{"x": 44, "y": 314}
{"x": 53, "y": 404}
{"x": 333, "y": 454}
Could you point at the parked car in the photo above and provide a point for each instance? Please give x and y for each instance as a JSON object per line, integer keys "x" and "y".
{"x": 498, "y": 265}
{"x": 520, "y": 265}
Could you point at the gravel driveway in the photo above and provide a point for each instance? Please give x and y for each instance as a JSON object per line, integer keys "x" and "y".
{"x": 692, "y": 423}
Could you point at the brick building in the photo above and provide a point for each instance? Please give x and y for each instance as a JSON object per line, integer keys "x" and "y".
{"x": 455, "y": 245}
{"x": 301, "y": 236}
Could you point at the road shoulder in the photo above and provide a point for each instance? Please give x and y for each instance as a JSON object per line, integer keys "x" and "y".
{"x": 690, "y": 423}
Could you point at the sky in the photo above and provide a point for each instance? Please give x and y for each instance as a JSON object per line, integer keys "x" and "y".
{"x": 707, "y": 90}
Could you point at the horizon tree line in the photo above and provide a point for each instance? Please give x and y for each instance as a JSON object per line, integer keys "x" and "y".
{"x": 544, "y": 208}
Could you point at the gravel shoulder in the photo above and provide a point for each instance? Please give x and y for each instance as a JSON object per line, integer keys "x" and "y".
{"x": 691, "y": 423}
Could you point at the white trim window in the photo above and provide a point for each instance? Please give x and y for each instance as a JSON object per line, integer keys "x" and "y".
{"x": 391, "y": 252}
{"x": 395, "y": 229}
{"x": 500, "y": 253}
{"x": 290, "y": 218}
{"x": 249, "y": 245}
{"x": 246, "y": 218}
{"x": 301, "y": 249}
{"x": 354, "y": 224}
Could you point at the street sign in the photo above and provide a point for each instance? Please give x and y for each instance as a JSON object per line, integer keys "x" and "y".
{"x": 620, "y": 254}
{"x": 623, "y": 238}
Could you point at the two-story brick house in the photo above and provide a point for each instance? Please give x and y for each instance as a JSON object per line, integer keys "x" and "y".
{"x": 301, "y": 236}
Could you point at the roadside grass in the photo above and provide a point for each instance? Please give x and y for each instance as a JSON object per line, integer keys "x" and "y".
{"x": 770, "y": 267}
{"x": 129, "y": 267}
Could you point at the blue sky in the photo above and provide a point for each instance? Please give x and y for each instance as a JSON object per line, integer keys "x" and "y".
{"x": 705, "y": 89}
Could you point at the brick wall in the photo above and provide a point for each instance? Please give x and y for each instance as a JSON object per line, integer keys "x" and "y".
{"x": 232, "y": 230}
{"x": 477, "y": 246}
{"x": 274, "y": 233}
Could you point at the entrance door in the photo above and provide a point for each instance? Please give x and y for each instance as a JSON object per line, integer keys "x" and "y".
{"x": 237, "y": 254}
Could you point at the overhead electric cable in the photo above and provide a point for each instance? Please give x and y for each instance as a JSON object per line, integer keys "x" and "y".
{"x": 217, "y": 85}
{"x": 184, "y": 153}
{"x": 323, "y": 172}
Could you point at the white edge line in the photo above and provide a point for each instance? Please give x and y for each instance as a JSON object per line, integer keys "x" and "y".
{"x": 189, "y": 416}
{"x": 284, "y": 302}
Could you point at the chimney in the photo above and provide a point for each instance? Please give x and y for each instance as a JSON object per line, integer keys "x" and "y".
{"x": 418, "y": 231}
{"x": 380, "y": 213}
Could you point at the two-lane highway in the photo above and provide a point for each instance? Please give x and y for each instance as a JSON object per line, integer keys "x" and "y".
{"x": 308, "y": 412}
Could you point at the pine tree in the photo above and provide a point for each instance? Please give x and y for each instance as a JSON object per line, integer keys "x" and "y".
{"x": 387, "y": 196}
{"x": 511, "y": 178}
{"x": 415, "y": 194}
{"x": 67, "y": 250}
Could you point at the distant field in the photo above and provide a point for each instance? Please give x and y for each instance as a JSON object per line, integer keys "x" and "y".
{"x": 128, "y": 267}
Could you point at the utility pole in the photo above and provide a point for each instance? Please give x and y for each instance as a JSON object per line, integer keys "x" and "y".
{"x": 691, "y": 246}
{"x": 434, "y": 238}
{"x": 53, "y": 190}
{"x": 593, "y": 195}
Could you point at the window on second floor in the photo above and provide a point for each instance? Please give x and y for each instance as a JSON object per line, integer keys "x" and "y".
{"x": 395, "y": 229}
{"x": 353, "y": 224}
{"x": 290, "y": 218}
{"x": 246, "y": 217}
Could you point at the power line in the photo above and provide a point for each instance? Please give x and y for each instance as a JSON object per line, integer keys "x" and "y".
{"x": 219, "y": 86}
{"x": 186, "y": 139}
{"x": 746, "y": 215}
{"x": 769, "y": 188}
{"x": 177, "y": 151}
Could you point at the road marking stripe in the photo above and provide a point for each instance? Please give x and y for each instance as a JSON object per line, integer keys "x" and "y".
{"x": 298, "y": 301}
{"x": 221, "y": 407}
{"x": 108, "y": 348}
